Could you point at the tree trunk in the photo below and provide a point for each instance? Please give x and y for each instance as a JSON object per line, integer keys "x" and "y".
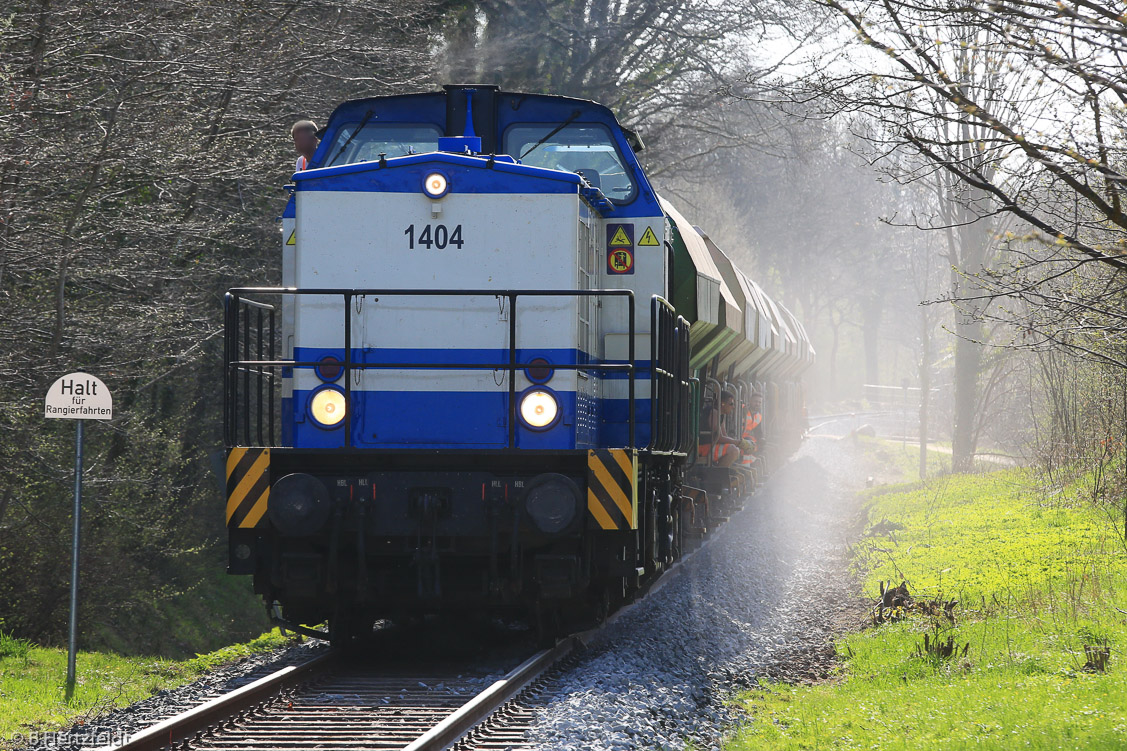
{"x": 925, "y": 386}
{"x": 871, "y": 312}
{"x": 974, "y": 233}
{"x": 833, "y": 389}
{"x": 968, "y": 356}
{"x": 67, "y": 253}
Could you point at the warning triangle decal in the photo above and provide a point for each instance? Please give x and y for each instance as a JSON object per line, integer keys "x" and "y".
{"x": 620, "y": 238}
{"x": 648, "y": 238}
{"x": 291, "y": 241}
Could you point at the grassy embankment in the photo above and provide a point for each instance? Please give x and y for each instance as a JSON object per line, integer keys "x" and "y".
{"x": 1037, "y": 578}
{"x": 32, "y": 682}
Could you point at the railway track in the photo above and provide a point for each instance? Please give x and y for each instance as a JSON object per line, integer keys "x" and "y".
{"x": 331, "y": 703}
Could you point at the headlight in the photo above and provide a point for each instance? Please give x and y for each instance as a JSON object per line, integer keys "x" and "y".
{"x": 552, "y": 502}
{"x": 435, "y": 184}
{"x": 538, "y": 408}
{"x": 298, "y": 505}
{"x": 327, "y": 406}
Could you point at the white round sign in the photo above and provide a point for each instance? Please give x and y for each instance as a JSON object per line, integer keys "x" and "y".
{"x": 78, "y": 396}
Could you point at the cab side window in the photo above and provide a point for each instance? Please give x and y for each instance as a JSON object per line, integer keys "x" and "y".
{"x": 586, "y": 148}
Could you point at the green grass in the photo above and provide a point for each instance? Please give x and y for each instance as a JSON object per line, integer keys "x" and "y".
{"x": 33, "y": 682}
{"x": 1036, "y": 583}
{"x": 216, "y": 611}
{"x": 892, "y": 460}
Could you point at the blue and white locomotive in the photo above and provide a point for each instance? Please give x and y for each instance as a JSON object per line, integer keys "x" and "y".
{"x": 478, "y": 386}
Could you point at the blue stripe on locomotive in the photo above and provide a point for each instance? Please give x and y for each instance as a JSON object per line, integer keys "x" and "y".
{"x": 463, "y": 419}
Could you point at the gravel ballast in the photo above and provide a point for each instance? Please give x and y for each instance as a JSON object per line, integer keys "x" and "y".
{"x": 763, "y": 599}
{"x": 118, "y": 725}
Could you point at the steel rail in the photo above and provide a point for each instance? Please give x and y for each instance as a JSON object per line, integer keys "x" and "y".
{"x": 485, "y": 704}
{"x": 186, "y": 724}
{"x": 445, "y": 732}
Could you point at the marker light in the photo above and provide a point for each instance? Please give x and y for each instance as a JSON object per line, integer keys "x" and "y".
{"x": 538, "y": 408}
{"x": 436, "y": 185}
{"x": 539, "y": 371}
{"x": 329, "y": 369}
{"x": 327, "y": 406}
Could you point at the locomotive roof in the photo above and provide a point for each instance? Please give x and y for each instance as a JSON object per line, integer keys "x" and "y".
{"x": 511, "y": 107}
{"x": 494, "y": 113}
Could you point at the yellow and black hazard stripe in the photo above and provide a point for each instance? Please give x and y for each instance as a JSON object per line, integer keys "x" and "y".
{"x": 248, "y": 486}
{"x": 612, "y": 493}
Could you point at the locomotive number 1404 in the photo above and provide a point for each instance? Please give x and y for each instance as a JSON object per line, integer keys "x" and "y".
{"x": 434, "y": 236}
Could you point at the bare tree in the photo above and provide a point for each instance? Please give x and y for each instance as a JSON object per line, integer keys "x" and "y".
{"x": 142, "y": 152}
{"x": 988, "y": 97}
{"x": 1034, "y": 91}
{"x": 661, "y": 66}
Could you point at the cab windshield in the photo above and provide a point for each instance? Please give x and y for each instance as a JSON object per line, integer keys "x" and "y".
{"x": 373, "y": 139}
{"x": 585, "y": 148}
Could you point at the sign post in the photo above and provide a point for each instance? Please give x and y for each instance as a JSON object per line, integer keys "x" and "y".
{"x": 79, "y": 397}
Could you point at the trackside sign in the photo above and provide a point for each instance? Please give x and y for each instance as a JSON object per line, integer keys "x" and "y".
{"x": 78, "y": 396}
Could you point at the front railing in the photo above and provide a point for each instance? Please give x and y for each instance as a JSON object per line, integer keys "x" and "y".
{"x": 671, "y": 386}
{"x": 249, "y": 354}
{"x": 251, "y": 364}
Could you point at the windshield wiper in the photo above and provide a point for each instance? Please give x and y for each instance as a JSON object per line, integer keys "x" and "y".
{"x": 543, "y": 140}
{"x": 343, "y": 146}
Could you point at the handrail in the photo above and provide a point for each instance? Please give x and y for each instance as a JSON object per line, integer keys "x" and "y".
{"x": 732, "y": 423}
{"x": 688, "y": 424}
{"x": 712, "y": 383}
{"x": 230, "y": 381}
{"x": 692, "y": 439}
{"x": 670, "y": 390}
{"x": 236, "y": 300}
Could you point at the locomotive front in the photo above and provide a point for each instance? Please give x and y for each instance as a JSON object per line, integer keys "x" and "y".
{"x": 442, "y": 406}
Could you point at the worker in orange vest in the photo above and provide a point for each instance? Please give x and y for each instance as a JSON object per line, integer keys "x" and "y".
{"x": 725, "y": 450}
{"x": 753, "y": 429}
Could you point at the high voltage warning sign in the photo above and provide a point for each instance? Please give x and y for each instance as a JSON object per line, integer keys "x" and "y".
{"x": 291, "y": 241}
{"x": 648, "y": 238}
{"x": 620, "y": 248}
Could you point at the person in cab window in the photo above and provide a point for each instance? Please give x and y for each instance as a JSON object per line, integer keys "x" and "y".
{"x": 724, "y": 449}
{"x": 305, "y": 142}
